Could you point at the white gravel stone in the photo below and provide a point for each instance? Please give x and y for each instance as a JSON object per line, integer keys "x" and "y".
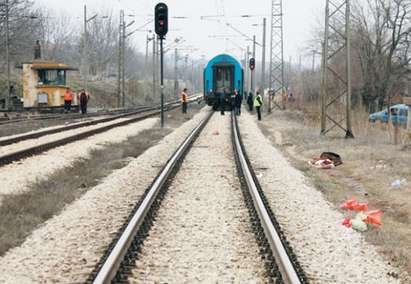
{"x": 16, "y": 177}
{"x": 328, "y": 252}
{"x": 62, "y": 125}
{"x": 202, "y": 232}
{"x": 66, "y": 248}
{"x": 52, "y": 137}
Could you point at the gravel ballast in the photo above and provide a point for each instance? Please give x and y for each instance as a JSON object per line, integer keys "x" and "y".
{"x": 52, "y": 137}
{"x": 68, "y": 246}
{"x": 16, "y": 177}
{"x": 327, "y": 251}
{"x": 202, "y": 231}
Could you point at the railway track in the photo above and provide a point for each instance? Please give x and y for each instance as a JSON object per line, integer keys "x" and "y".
{"x": 125, "y": 119}
{"x": 280, "y": 263}
{"x": 68, "y": 116}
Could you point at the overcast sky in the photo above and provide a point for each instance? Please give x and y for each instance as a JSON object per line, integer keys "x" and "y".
{"x": 300, "y": 18}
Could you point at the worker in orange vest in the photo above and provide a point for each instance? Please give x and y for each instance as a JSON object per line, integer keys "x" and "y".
{"x": 184, "y": 100}
{"x": 68, "y": 98}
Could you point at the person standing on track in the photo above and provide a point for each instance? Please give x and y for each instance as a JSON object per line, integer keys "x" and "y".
{"x": 250, "y": 101}
{"x": 238, "y": 99}
{"x": 184, "y": 100}
{"x": 68, "y": 98}
{"x": 258, "y": 102}
{"x": 83, "y": 98}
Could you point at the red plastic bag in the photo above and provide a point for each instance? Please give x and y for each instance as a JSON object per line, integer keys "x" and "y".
{"x": 374, "y": 218}
{"x": 347, "y": 222}
{"x": 352, "y": 204}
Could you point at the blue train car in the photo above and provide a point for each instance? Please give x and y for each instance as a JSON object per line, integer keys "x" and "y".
{"x": 222, "y": 75}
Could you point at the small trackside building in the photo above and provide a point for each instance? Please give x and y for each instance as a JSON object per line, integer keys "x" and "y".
{"x": 44, "y": 83}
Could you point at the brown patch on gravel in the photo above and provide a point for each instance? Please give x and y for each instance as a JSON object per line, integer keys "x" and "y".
{"x": 21, "y": 214}
{"x": 371, "y": 164}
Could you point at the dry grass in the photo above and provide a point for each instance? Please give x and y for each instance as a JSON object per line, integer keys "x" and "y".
{"x": 371, "y": 164}
{"x": 21, "y": 214}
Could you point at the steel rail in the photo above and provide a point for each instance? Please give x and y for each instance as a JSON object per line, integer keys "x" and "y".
{"x": 68, "y": 116}
{"x": 37, "y": 134}
{"x": 27, "y": 152}
{"x": 286, "y": 267}
{"x": 112, "y": 263}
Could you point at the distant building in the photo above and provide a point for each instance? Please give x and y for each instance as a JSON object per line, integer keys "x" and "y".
{"x": 44, "y": 83}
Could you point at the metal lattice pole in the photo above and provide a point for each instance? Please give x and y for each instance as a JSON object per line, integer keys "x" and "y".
{"x": 277, "y": 51}
{"x": 263, "y": 84}
{"x": 336, "y": 81}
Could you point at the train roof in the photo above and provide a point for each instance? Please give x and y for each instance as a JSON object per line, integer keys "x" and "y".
{"x": 223, "y": 58}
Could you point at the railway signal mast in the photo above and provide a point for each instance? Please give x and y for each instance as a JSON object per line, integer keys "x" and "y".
{"x": 252, "y": 67}
{"x": 337, "y": 12}
{"x": 161, "y": 29}
{"x": 277, "y": 51}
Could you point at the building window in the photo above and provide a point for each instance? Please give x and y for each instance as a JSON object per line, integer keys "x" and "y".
{"x": 52, "y": 77}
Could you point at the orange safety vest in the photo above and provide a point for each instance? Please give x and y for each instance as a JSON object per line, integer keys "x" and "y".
{"x": 68, "y": 96}
{"x": 183, "y": 97}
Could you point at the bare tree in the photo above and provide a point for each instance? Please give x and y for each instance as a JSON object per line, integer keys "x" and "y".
{"x": 383, "y": 30}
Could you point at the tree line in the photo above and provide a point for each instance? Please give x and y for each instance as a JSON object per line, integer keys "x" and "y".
{"x": 62, "y": 39}
{"x": 380, "y": 55}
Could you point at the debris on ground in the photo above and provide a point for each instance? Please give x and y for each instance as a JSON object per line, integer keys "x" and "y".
{"x": 326, "y": 161}
{"x": 335, "y": 158}
{"x": 322, "y": 164}
{"x": 362, "y": 218}
{"x": 397, "y": 184}
{"x": 359, "y": 225}
{"x": 216, "y": 132}
{"x": 354, "y": 205}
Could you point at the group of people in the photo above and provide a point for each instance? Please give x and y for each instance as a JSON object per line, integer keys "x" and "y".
{"x": 82, "y": 98}
{"x": 252, "y": 101}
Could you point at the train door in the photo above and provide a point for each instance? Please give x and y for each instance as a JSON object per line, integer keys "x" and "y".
{"x": 223, "y": 79}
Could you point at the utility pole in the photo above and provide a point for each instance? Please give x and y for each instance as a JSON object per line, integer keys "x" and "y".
{"x": 263, "y": 56}
{"x": 85, "y": 71}
{"x": 146, "y": 58}
{"x": 337, "y": 11}
{"x": 7, "y": 16}
{"x": 85, "y": 48}
{"x": 277, "y": 51}
{"x": 120, "y": 74}
{"x": 313, "y": 64}
{"x": 176, "y": 72}
{"x": 123, "y": 65}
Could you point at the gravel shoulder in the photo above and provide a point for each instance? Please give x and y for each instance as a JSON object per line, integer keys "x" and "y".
{"x": 67, "y": 247}
{"x": 53, "y": 137}
{"x": 328, "y": 252}
{"x": 18, "y": 128}
{"x": 17, "y": 177}
{"x": 202, "y": 232}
